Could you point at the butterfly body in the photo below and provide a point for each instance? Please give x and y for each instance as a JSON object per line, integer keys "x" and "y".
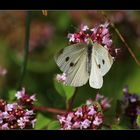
{"x": 89, "y": 51}
{"x": 82, "y": 62}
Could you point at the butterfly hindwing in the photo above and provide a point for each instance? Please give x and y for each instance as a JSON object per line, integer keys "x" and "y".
{"x": 95, "y": 79}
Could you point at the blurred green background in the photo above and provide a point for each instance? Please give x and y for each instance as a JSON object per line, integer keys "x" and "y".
{"x": 48, "y": 34}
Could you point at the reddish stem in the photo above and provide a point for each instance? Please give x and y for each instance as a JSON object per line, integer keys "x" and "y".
{"x": 52, "y": 110}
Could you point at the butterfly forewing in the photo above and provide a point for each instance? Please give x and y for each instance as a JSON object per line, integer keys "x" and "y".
{"x": 103, "y": 59}
{"x": 79, "y": 76}
{"x": 69, "y": 56}
{"x": 73, "y": 61}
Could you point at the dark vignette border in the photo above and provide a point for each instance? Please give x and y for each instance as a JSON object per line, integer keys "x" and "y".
{"x": 69, "y": 4}
{"x": 70, "y": 134}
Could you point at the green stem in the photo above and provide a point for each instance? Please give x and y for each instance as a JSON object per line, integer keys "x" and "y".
{"x": 72, "y": 100}
{"x": 26, "y": 49}
{"x": 67, "y": 105}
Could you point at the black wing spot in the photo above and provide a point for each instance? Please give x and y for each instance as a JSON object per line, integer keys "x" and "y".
{"x": 71, "y": 64}
{"x": 99, "y": 66}
{"x": 103, "y": 61}
{"x": 67, "y": 59}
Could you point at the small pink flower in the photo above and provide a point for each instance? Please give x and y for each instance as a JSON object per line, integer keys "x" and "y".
{"x": 107, "y": 41}
{"x": 84, "y": 28}
{"x": 61, "y": 119}
{"x": 99, "y": 97}
{"x": 79, "y": 112}
{"x": 5, "y": 126}
{"x": 21, "y": 123}
{"x": 10, "y": 107}
{"x": 33, "y": 98}
{"x": 20, "y": 94}
{"x": 61, "y": 78}
{"x": 29, "y": 112}
{"x": 71, "y": 37}
{"x": 76, "y": 125}
{"x": 26, "y": 118}
{"x": 69, "y": 116}
{"x": 89, "y": 102}
{"x": 104, "y": 31}
{"x": 86, "y": 123}
{"x": 5, "y": 114}
{"x": 92, "y": 111}
{"x": 97, "y": 121}
{"x": 11, "y": 117}
{"x": 67, "y": 125}
{"x": 105, "y": 103}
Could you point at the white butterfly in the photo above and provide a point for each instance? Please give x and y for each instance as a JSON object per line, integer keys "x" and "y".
{"x": 83, "y": 61}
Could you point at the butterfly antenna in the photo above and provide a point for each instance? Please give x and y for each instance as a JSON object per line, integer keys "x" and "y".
{"x": 121, "y": 37}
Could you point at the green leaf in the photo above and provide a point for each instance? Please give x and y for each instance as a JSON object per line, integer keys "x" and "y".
{"x": 138, "y": 120}
{"x": 42, "y": 121}
{"x": 118, "y": 127}
{"x": 105, "y": 128}
{"x": 59, "y": 88}
{"x": 69, "y": 91}
{"x": 125, "y": 122}
{"x": 54, "y": 125}
{"x": 62, "y": 23}
{"x": 65, "y": 91}
{"x": 11, "y": 95}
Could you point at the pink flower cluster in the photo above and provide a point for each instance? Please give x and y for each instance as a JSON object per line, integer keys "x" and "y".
{"x": 99, "y": 34}
{"x": 88, "y": 116}
{"x": 17, "y": 115}
{"x": 24, "y": 98}
{"x": 104, "y": 101}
